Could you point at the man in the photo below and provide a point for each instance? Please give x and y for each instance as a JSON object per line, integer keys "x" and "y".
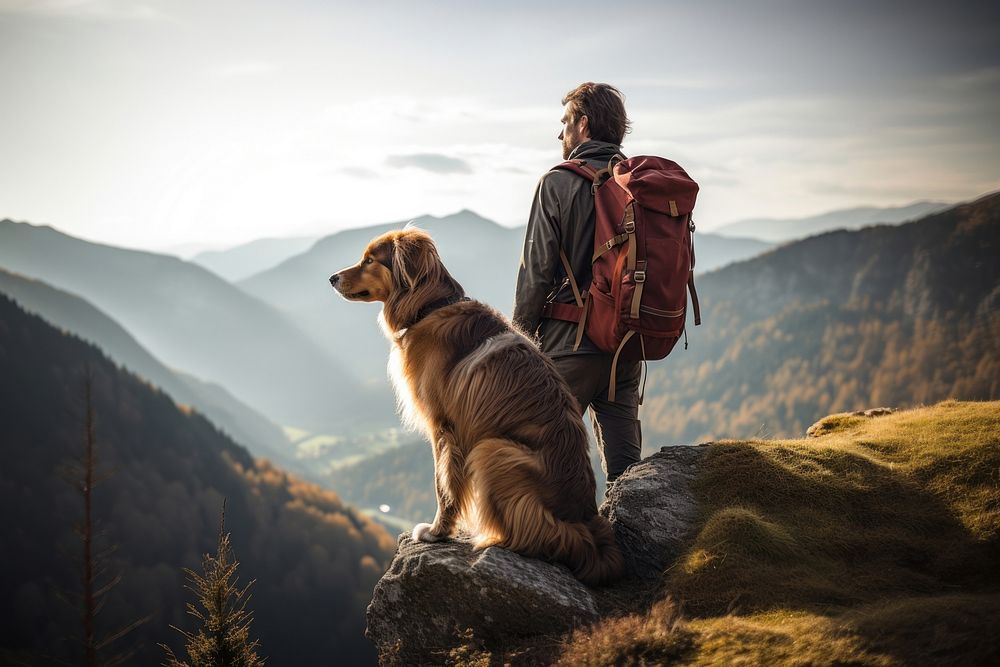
{"x": 562, "y": 217}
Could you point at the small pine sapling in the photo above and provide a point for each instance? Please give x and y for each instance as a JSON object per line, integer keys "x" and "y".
{"x": 224, "y": 637}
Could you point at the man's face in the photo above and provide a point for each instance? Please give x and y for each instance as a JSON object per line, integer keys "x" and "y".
{"x": 573, "y": 133}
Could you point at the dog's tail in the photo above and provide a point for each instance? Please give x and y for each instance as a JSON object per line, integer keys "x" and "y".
{"x": 603, "y": 563}
{"x": 508, "y": 477}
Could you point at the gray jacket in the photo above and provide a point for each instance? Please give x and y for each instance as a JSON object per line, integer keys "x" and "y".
{"x": 562, "y": 216}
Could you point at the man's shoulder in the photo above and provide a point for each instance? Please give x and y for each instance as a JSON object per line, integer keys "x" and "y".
{"x": 561, "y": 180}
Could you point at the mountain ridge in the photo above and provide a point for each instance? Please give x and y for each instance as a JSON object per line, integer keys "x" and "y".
{"x": 783, "y": 230}
{"x": 166, "y": 303}
{"x": 246, "y": 259}
{"x": 481, "y": 254}
{"x": 897, "y": 315}
{"x": 313, "y": 557}
{"x": 75, "y": 315}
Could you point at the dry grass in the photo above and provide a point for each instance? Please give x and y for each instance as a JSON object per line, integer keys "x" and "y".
{"x": 901, "y": 504}
{"x": 875, "y": 543}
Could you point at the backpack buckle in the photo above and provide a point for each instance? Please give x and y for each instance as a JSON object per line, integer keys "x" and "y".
{"x": 639, "y": 276}
{"x": 629, "y": 226}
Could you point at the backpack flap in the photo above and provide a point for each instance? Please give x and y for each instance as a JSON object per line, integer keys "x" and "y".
{"x": 657, "y": 184}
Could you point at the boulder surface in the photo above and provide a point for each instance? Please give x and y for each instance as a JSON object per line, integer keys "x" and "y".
{"x": 653, "y": 510}
{"x": 433, "y": 594}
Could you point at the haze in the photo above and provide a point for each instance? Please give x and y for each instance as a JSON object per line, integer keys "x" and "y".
{"x": 155, "y": 124}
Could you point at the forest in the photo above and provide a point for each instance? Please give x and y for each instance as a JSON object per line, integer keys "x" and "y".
{"x": 889, "y": 315}
{"x": 165, "y": 472}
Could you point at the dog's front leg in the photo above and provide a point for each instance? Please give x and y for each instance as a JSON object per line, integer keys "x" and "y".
{"x": 449, "y": 486}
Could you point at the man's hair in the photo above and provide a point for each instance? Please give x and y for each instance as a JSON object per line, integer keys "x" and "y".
{"x": 604, "y": 107}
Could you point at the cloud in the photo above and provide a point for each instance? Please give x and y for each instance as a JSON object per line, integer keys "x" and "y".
{"x": 362, "y": 173}
{"x": 243, "y": 69}
{"x": 432, "y": 162}
{"x": 85, "y": 9}
{"x": 678, "y": 83}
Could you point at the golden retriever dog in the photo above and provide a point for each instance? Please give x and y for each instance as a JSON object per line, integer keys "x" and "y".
{"x": 510, "y": 450}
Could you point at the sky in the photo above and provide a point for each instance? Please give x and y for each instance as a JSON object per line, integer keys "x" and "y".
{"x": 153, "y": 124}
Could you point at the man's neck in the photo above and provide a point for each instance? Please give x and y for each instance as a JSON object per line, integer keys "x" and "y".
{"x": 592, "y": 147}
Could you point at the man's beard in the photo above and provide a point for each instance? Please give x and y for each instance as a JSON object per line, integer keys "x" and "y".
{"x": 568, "y": 148}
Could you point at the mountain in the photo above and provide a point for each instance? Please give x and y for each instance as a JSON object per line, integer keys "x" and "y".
{"x": 889, "y": 315}
{"x": 481, "y": 254}
{"x": 191, "y": 319}
{"x": 165, "y": 472}
{"x": 776, "y": 230}
{"x": 244, "y": 260}
{"x": 712, "y": 251}
{"x": 401, "y": 477}
{"x": 74, "y": 315}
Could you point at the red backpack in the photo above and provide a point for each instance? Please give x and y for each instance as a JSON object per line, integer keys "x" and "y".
{"x": 643, "y": 263}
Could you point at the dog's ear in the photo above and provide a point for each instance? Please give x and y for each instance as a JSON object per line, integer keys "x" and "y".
{"x": 414, "y": 260}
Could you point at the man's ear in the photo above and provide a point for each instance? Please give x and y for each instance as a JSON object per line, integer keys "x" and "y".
{"x": 584, "y": 128}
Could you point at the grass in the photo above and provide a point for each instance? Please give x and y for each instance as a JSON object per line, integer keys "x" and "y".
{"x": 900, "y": 504}
{"x": 874, "y": 543}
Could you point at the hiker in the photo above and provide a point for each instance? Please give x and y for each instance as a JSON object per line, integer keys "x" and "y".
{"x": 562, "y": 217}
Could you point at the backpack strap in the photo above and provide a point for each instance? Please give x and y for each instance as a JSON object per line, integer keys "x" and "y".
{"x": 580, "y": 168}
{"x": 582, "y": 300}
{"x": 694, "y": 299}
{"x": 564, "y": 311}
{"x": 694, "y": 294}
{"x": 569, "y": 312}
{"x": 568, "y": 268}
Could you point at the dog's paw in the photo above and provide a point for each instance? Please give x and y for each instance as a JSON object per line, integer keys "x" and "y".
{"x": 422, "y": 533}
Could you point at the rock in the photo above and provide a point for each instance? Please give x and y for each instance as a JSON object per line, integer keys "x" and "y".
{"x": 874, "y": 412}
{"x": 653, "y": 509}
{"x": 434, "y": 592}
{"x": 842, "y": 420}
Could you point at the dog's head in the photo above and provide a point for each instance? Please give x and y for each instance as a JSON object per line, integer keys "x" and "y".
{"x": 395, "y": 264}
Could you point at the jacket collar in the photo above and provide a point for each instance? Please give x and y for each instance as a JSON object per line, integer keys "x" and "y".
{"x": 595, "y": 150}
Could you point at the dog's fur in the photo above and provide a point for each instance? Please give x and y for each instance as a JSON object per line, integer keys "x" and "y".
{"x": 510, "y": 450}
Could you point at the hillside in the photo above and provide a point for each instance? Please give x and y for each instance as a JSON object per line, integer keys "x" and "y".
{"x": 873, "y": 544}
{"x": 402, "y": 478}
{"x": 192, "y": 320}
{"x": 315, "y": 559}
{"x": 481, "y": 254}
{"x": 783, "y": 230}
{"x": 245, "y": 260}
{"x": 478, "y": 252}
{"x": 900, "y": 316}
{"x": 76, "y": 316}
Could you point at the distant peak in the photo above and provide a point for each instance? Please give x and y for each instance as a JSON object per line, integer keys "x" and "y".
{"x": 467, "y": 214}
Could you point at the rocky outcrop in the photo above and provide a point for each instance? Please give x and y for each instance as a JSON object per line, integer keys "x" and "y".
{"x": 433, "y": 593}
{"x": 838, "y": 421}
{"x": 653, "y": 509}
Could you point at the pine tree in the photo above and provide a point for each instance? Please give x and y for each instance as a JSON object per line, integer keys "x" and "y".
{"x": 224, "y": 638}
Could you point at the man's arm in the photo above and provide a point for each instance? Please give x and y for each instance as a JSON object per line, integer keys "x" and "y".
{"x": 540, "y": 254}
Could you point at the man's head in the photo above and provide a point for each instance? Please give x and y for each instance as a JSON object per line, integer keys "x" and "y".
{"x": 593, "y": 111}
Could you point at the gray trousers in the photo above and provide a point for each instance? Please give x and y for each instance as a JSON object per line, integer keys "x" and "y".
{"x": 616, "y": 425}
